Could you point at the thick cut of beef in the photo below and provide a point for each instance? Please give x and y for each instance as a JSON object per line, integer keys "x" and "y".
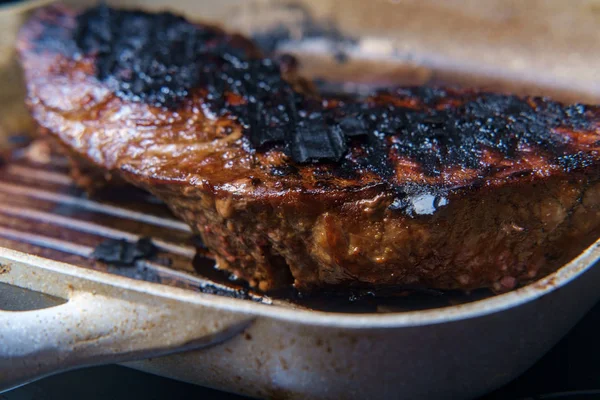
{"x": 416, "y": 187}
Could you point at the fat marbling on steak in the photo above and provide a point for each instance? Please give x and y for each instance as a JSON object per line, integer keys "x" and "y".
{"x": 415, "y": 187}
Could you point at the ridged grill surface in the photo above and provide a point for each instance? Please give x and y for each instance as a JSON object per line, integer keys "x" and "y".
{"x": 43, "y": 213}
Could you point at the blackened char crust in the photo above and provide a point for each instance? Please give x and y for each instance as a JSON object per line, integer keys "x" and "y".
{"x": 419, "y": 187}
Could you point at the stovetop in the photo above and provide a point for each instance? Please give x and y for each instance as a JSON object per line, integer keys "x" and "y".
{"x": 571, "y": 370}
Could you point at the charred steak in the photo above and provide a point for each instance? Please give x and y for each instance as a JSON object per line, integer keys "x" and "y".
{"x": 416, "y": 187}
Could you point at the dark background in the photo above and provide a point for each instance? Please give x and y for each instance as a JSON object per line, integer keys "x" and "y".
{"x": 569, "y": 371}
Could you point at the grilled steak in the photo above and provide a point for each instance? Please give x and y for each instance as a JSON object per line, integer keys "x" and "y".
{"x": 416, "y": 187}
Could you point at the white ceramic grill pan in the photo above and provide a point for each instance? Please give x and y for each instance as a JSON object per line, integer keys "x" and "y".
{"x": 66, "y": 312}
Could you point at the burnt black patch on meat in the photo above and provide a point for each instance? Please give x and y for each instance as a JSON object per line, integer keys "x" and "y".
{"x": 458, "y": 135}
{"x": 123, "y": 253}
{"x": 156, "y": 58}
{"x": 162, "y": 58}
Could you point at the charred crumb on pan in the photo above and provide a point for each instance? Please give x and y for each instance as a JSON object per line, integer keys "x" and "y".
{"x": 242, "y": 294}
{"x": 166, "y": 261}
{"x": 121, "y": 252}
{"x": 142, "y": 272}
{"x": 307, "y": 27}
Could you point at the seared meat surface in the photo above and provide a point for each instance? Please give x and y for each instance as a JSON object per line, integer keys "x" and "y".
{"x": 416, "y": 187}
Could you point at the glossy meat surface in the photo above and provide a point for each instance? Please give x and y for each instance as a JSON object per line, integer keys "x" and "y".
{"x": 413, "y": 186}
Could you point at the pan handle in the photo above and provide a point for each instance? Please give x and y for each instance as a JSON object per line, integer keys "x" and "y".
{"x": 91, "y": 329}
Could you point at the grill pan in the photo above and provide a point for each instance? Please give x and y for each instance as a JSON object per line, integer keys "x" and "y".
{"x": 165, "y": 318}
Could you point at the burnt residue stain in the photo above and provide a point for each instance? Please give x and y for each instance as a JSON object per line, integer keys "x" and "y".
{"x": 123, "y": 253}
{"x": 377, "y": 300}
{"x": 272, "y": 39}
{"x": 305, "y": 27}
{"x": 227, "y": 284}
{"x": 4, "y": 269}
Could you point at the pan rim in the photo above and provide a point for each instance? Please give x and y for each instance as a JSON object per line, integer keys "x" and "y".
{"x": 564, "y": 275}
